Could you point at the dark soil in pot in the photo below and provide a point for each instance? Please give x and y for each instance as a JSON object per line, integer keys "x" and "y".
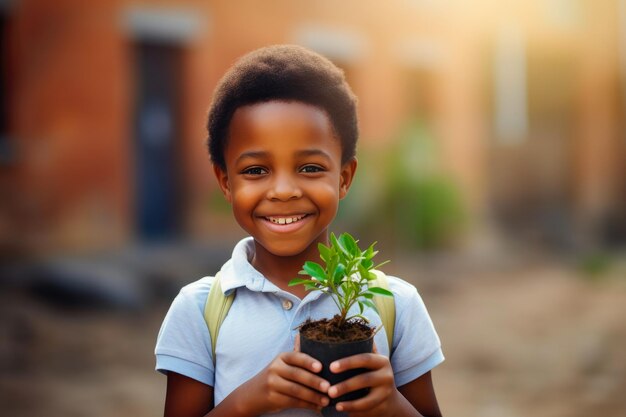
{"x": 326, "y": 341}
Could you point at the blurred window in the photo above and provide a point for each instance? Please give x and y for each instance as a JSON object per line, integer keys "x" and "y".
{"x": 532, "y": 140}
{"x": 510, "y": 96}
{"x": 563, "y": 14}
{"x": 340, "y": 45}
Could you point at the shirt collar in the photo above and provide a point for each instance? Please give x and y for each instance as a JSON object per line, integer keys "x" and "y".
{"x": 239, "y": 272}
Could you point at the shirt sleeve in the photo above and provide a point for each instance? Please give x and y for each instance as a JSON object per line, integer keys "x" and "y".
{"x": 184, "y": 344}
{"x": 416, "y": 345}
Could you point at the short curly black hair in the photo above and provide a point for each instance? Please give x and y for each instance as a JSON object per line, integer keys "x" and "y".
{"x": 285, "y": 73}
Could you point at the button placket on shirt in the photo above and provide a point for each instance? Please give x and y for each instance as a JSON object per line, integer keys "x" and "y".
{"x": 293, "y": 308}
{"x": 287, "y": 304}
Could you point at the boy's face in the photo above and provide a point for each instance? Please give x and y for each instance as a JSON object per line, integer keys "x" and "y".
{"x": 284, "y": 176}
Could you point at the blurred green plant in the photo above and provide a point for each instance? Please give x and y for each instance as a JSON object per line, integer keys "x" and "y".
{"x": 426, "y": 211}
{"x": 417, "y": 202}
{"x": 595, "y": 265}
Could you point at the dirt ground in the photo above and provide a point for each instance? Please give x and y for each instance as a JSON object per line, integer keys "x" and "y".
{"x": 541, "y": 342}
{"x": 538, "y": 341}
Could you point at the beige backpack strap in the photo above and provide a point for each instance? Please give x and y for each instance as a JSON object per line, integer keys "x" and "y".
{"x": 216, "y": 309}
{"x": 385, "y": 305}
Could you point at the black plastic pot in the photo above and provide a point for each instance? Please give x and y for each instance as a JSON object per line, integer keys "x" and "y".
{"x": 327, "y": 353}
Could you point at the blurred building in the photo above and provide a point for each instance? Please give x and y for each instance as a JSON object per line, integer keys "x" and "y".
{"x": 104, "y": 105}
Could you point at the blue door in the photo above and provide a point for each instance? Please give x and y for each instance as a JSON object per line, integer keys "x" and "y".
{"x": 156, "y": 137}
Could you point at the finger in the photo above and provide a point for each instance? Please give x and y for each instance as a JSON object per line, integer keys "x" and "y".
{"x": 367, "y": 403}
{"x": 375, "y": 350}
{"x": 363, "y": 360}
{"x": 300, "y": 392}
{"x": 302, "y": 360}
{"x": 305, "y": 378}
{"x": 296, "y": 345}
{"x": 365, "y": 380}
{"x": 295, "y": 369}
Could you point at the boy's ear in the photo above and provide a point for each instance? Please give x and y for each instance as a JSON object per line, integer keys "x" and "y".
{"x": 222, "y": 181}
{"x": 347, "y": 174}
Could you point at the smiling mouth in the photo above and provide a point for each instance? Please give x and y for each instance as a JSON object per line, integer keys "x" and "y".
{"x": 285, "y": 219}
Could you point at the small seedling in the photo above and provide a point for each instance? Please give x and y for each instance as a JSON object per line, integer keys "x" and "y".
{"x": 345, "y": 275}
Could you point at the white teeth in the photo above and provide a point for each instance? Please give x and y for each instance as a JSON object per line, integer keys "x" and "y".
{"x": 285, "y": 220}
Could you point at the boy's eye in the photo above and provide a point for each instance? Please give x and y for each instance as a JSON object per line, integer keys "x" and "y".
{"x": 308, "y": 169}
{"x": 254, "y": 171}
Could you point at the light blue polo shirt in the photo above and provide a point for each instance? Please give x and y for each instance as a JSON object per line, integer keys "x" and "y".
{"x": 262, "y": 323}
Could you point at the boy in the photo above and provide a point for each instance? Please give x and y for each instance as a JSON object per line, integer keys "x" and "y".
{"x": 282, "y": 137}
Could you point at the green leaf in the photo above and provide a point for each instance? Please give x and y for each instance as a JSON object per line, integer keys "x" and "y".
{"x": 368, "y": 295}
{"x": 370, "y": 305}
{"x": 370, "y": 252}
{"x": 334, "y": 243}
{"x": 367, "y": 263}
{"x": 298, "y": 281}
{"x": 346, "y": 289}
{"x": 338, "y": 243}
{"x": 381, "y": 264}
{"x": 315, "y": 270}
{"x": 361, "y": 308}
{"x": 348, "y": 242}
{"x": 380, "y": 291}
{"x": 363, "y": 273}
{"x": 339, "y": 273}
{"x": 325, "y": 252}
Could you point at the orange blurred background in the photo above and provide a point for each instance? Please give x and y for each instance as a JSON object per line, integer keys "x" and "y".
{"x": 492, "y": 172}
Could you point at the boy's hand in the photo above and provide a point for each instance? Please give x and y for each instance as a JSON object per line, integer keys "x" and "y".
{"x": 382, "y": 399}
{"x": 289, "y": 381}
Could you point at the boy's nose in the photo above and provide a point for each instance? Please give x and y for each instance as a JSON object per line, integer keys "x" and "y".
{"x": 284, "y": 188}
